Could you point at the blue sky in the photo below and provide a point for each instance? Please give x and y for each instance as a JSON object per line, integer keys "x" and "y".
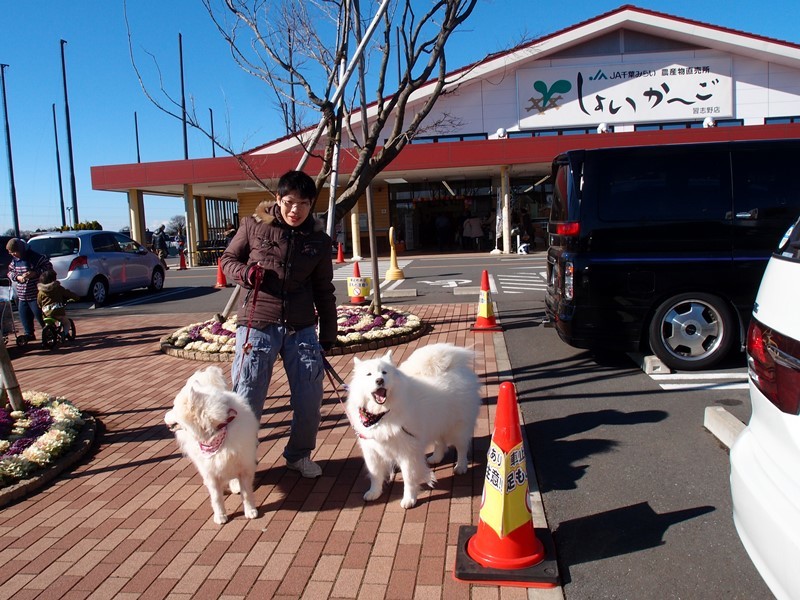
{"x": 104, "y": 93}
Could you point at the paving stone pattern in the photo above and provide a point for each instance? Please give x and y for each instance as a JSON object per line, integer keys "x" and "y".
{"x": 133, "y": 519}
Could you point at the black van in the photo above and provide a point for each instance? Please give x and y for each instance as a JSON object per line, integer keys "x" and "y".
{"x": 665, "y": 245}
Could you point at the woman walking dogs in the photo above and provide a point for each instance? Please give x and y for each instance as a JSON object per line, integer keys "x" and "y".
{"x": 282, "y": 256}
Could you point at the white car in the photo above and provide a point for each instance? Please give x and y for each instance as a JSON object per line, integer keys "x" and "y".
{"x": 94, "y": 264}
{"x": 765, "y": 459}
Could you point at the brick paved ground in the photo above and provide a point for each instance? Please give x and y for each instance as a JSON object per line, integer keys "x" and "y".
{"x": 133, "y": 519}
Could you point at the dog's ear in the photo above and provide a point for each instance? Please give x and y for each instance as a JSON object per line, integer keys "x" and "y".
{"x": 388, "y": 357}
{"x": 356, "y": 361}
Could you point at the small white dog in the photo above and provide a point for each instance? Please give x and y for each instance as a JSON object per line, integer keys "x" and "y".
{"x": 218, "y": 431}
{"x": 398, "y": 412}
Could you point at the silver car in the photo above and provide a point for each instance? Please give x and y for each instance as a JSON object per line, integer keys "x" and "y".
{"x": 94, "y": 264}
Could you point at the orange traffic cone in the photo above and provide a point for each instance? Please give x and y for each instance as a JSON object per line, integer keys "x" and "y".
{"x": 340, "y": 254}
{"x": 356, "y": 285}
{"x": 221, "y": 281}
{"x": 485, "y": 320}
{"x": 504, "y": 548}
{"x": 182, "y": 266}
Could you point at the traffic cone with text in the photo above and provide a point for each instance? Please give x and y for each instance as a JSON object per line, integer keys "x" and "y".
{"x": 504, "y": 548}
{"x": 356, "y": 285}
{"x": 340, "y": 254}
{"x": 221, "y": 281}
{"x": 486, "y": 320}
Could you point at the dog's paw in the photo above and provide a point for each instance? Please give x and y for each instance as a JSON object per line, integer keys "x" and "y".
{"x": 220, "y": 519}
{"x": 233, "y": 484}
{"x": 408, "y": 502}
{"x": 372, "y": 494}
{"x": 251, "y": 513}
{"x": 434, "y": 460}
{"x": 460, "y": 469}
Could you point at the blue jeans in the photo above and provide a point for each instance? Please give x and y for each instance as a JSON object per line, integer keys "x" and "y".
{"x": 302, "y": 361}
{"x": 28, "y": 309}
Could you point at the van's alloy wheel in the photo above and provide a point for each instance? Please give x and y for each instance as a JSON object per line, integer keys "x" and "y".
{"x": 692, "y": 331}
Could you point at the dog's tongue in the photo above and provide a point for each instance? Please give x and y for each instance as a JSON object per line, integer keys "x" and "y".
{"x": 379, "y": 395}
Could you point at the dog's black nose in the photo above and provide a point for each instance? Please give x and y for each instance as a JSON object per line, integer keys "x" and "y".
{"x": 379, "y": 382}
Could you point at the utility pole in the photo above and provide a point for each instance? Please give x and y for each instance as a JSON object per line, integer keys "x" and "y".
{"x": 14, "y": 212}
{"x": 58, "y": 170}
{"x": 72, "y": 188}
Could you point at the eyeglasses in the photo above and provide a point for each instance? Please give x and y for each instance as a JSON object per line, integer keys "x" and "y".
{"x": 298, "y": 204}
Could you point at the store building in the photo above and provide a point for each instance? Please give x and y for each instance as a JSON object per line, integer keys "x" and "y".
{"x": 625, "y": 78}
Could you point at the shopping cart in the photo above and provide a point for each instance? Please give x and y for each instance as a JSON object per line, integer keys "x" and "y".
{"x": 7, "y": 323}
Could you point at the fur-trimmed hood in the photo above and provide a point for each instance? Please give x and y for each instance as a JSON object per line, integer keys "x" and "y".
{"x": 268, "y": 212}
{"x": 48, "y": 288}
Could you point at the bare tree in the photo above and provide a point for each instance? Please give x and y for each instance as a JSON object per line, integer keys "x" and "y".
{"x": 299, "y": 49}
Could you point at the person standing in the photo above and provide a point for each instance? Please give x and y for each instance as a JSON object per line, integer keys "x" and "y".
{"x": 160, "y": 246}
{"x": 24, "y": 270}
{"x": 472, "y": 232}
{"x": 282, "y": 256}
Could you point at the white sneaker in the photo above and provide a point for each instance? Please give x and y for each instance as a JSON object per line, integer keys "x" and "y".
{"x": 306, "y": 467}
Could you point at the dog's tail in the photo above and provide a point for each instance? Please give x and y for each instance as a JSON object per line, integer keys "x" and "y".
{"x": 436, "y": 359}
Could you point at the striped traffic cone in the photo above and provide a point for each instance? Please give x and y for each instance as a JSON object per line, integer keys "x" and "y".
{"x": 504, "y": 549}
{"x": 486, "y": 320}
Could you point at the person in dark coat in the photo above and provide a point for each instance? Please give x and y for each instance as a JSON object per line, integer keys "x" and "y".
{"x": 282, "y": 256}
{"x": 24, "y": 270}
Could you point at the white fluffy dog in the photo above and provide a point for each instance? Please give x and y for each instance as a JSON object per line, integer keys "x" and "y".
{"x": 218, "y": 431}
{"x": 398, "y": 412}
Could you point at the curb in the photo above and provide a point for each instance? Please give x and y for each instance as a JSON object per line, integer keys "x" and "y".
{"x": 722, "y": 424}
{"x": 44, "y": 476}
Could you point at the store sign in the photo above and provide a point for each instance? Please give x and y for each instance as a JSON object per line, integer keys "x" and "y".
{"x": 622, "y": 92}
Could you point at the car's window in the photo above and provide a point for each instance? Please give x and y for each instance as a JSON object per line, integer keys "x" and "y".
{"x": 765, "y": 186}
{"x": 126, "y": 244}
{"x": 661, "y": 186}
{"x": 55, "y": 246}
{"x": 104, "y": 242}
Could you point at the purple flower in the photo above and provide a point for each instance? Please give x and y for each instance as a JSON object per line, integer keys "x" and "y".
{"x": 41, "y": 420}
{"x": 18, "y": 446}
{"x": 6, "y": 424}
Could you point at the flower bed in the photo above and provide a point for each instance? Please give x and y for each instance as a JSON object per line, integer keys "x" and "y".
{"x": 359, "y": 330}
{"x": 33, "y": 438}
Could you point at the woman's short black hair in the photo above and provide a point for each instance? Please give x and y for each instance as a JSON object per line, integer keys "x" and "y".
{"x": 299, "y": 182}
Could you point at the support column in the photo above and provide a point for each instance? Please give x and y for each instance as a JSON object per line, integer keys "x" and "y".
{"x": 136, "y": 216}
{"x": 191, "y": 226}
{"x": 355, "y": 232}
{"x": 505, "y": 188}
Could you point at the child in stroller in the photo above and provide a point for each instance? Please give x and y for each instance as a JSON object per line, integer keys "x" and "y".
{"x": 52, "y": 299}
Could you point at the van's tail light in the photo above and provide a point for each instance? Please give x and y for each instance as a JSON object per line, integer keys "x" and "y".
{"x": 569, "y": 281}
{"x": 774, "y": 366}
{"x": 571, "y": 229}
{"x": 79, "y": 262}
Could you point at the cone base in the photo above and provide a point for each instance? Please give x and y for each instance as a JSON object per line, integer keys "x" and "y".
{"x": 484, "y": 324}
{"x": 543, "y": 574}
{"x": 358, "y": 300}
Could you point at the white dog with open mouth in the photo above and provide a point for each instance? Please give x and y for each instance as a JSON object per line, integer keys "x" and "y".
{"x": 433, "y": 398}
{"x": 218, "y": 431}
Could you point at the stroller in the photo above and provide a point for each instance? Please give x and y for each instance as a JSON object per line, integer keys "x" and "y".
{"x": 7, "y": 323}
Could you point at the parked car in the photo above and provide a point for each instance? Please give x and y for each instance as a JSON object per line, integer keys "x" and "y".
{"x": 662, "y": 248}
{"x": 94, "y": 264}
{"x": 765, "y": 479}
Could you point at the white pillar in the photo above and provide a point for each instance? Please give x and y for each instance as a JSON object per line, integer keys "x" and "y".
{"x": 191, "y": 226}
{"x": 136, "y": 216}
{"x": 505, "y": 188}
